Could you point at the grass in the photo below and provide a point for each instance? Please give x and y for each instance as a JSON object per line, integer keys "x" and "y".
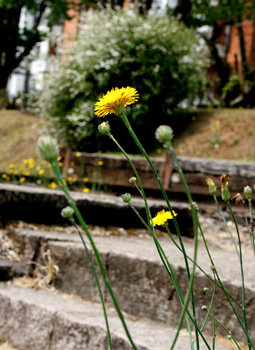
{"x": 233, "y": 140}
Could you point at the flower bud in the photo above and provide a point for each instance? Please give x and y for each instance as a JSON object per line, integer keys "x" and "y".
{"x": 47, "y": 148}
{"x": 206, "y": 290}
{"x": 104, "y": 128}
{"x": 211, "y": 185}
{"x": 204, "y": 308}
{"x": 67, "y": 212}
{"x": 132, "y": 180}
{"x": 164, "y": 133}
{"x": 225, "y": 195}
{"x": 126, "y": 198}
{"x": 248, "y": 192}
{"x": 194, "y": 205}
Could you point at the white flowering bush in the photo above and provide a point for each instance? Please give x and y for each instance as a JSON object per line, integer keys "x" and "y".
{"x": 155, "y": 54}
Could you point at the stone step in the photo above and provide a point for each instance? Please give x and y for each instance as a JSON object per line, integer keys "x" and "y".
{"x": 38, "y": 320}
{"x": 138, "y": 278}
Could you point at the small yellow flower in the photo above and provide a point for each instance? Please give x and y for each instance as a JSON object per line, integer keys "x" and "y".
{"x": 100, "y": 163}
{"x": 115, "y": 101}
{"x": 41, "y": 172}
{"x": 161, "y": 218}
{"x": 25, "y": 161}
{"x": 26, "y": 173}
{"x": 22, "y": 179}
{"x": 7, "y": 178}
{"x": 86, "y": 179}
{"x": 223, "y": 180}
{"x": 60, "y": 164}
{"x": 77, "y": 154}
{"x": 86, "y": 190}
{"x": 11, "y": 166}
{"x": 159, "y": 150}
{"x": 4, "y": 176}
{"x": 52, "y": 185}
{"x": 31, "y": 165}
{"x": 59, "y": 158}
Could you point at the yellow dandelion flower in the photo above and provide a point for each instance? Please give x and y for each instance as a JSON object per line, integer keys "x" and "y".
{"x": 86, "y": 179}
{"x": 77, "y": 154}
{"x": 7, "y": 178}
{"x": 4, "y": 176}
{"x": 161, "y": 218}
{"x": 22, "y": 179}
{"x": 100, "y": 163}
{"x": 31, "y": 165}
{"x": 86, "y": 190}
{"x": 41, "y": 172}
{"x": 115, "y": 101}
{"x": 59, "y": 158}
{"x": 25, "y": 161}
{"x": 60, "y": 164}
{"x": 159, "y": 150}
{"x": 26, "y": 173}
{"x": 11, "y": 166}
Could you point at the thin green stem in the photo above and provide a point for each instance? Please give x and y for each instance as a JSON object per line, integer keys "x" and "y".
{"x": 97, "y": 282}
{"x": 97, "y": 255}
{"x": 251, "y": 225}
{"x": 241, "y": 267}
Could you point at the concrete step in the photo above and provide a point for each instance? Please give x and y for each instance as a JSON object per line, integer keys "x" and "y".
{"x": 138, "y": 278}
{"x": 37, "y": 320}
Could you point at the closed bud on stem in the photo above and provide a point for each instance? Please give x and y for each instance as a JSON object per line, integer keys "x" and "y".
{"x": 164, "y": 133}
{"x": 126, "y": 197}
{"x": 104, "y": 128}
{"x": 248, "y": 192}
{"x": 67, "y": 212}
{"x": 132, "y": 180}
{"x": 47, "y": 148}
{"x": 204, "y": 308}
{"x": 194, "y": 205}
{"x": 211, "y": 186}
{"x": 206, "y": 290}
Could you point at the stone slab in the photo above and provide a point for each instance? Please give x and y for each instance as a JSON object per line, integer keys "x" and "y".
{"x": 41, "y": 205}
{"x": 32, "y": 319}
{"x": 140, "y": 281}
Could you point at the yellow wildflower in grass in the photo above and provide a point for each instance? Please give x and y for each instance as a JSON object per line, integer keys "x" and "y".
{"x": 41, "y": 172}
{"x": 52, "y": 185}
{"x": 11, "y": 166}
{"x": 86, "y": 190}
{"x": 59, "y": 158}
{"x": 60, "y": 164}
{"x": 159, "y": 150}
{"x": 4, "y": 176}
{"x": 162, "y": 216}
{"x": 7, "y": 178}
{"x": 77, "y": 154}
{"x": 115, "y": 101}
{"x": 100, "y": 163}
{"x": 31, "y": 165}
{"x": 25, "y": 161}
{"x": 22, "y": 179}
{"x": 85, "y": 179}
{"x": 26, "y": 173}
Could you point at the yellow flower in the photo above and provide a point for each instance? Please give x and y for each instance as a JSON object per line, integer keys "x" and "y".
{"x": 71, "y": 163}
{"x": 25, "y": 161}
{"x": 115, "y": 101}
{"x": 86, "y": 190}
{"x": 59, "y": 158}
{"x": 77, "y": 154}
{"x": 4, "y": 176}
{"x": 11, "y": 166}
{"x": 41, "y": 172}
{"x": 26, "y": 173}
{"x": 162, "y": 216}
{"x": 86, "y": 179}
{"x": 52, "y": 185}
{"x": 60, "y": 164}
{"x": 22, "y": 179}
{"x": 100, "y": 163}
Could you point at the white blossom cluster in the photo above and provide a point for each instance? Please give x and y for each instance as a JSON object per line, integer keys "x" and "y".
{"x": 118, "y": 48}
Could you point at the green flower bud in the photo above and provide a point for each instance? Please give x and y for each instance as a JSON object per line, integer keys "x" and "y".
{"x": 126, "y": 198}
{"x": 225, "y": 195}
{"x": 104, "y": 128}
{"x": 67, "y": 212}
{"x": 204, "y": 308}
{"x": 206, "y": 290}
{"x": 211, "y": 186}
{"x": 248, "y": 192}
{"x": 164, "y": 133}
{"x": 194, "y": 205}
{"x": 132, "y": 180}
{"x": 47, "y": 148}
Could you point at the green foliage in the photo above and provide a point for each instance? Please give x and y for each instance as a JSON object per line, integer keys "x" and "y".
{"x": 154, "y": 54}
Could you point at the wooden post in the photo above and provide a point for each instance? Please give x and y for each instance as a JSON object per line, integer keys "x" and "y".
{"x": 67, "y": 158}
{"x": 167, "y": 171}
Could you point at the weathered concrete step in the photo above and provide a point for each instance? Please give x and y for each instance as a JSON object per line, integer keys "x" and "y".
{"x": 41, "y": 205}
{"x": 37, "y": 320}
{"x": 138, "y": 278}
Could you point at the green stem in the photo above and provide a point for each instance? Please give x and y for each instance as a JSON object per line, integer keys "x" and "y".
{"x": 241, "y": 267}
{"x": 97, "y": 282}
{"x": 132, "y": 133}
{"x": 251, "y": 224}
{"x": 97, "y": 255}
